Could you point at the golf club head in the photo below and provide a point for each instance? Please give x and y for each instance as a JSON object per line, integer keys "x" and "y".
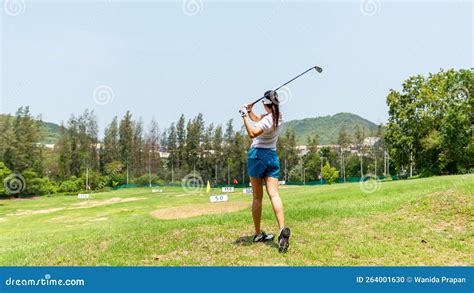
{"x": 318, "y": 69}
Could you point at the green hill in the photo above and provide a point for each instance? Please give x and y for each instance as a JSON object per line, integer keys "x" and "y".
{"x": 49, "y": 131}
{"x": 327, "y": 127}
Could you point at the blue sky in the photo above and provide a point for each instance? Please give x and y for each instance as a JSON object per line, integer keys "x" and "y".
{"x": 160, "y": 59}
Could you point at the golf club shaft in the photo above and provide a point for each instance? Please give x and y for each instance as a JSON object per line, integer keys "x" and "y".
{"x": 318, "y": 69}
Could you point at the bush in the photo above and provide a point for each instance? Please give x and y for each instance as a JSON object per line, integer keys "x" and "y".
{"x": 4, "y": 172}
{"x": 36, "y": 185}
{"x": 330, "y": 173}
{"x": 73, "y": 184}
{"x": 145, "y": 180}
{"x": 40, "y": 186}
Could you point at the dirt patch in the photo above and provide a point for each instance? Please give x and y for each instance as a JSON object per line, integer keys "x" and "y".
{"x": 98, "y": 219}
{"x": 35, "y": 212}
{"x": 24, "y": 198}
{"x": 95, "y": 203}
{"x": 195, "y": 210}
{"x": 104, "y": 245}
{"x": 81, "y": 205}
{"x": 58, "y": 219}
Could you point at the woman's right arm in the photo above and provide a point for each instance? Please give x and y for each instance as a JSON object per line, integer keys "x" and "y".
{"x": 254, "y": 117}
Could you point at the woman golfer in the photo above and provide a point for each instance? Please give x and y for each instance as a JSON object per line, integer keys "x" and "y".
{"x": 263, "y": 164}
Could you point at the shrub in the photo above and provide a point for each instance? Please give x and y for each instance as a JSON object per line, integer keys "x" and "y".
{"x": 4, "y": 172}
{"x": 330, "y": 173}
{"x": 73, "y": 184}
{"x": 145, "y": 180}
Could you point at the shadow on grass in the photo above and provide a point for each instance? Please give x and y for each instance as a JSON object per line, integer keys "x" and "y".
{"x": 19, "y": 197}
{"x": 248, "y": 240}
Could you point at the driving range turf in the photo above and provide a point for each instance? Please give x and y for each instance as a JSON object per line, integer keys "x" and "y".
{"x": 408, "y": 222}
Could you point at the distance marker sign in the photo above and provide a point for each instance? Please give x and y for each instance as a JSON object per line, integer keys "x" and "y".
{"x": 219, "y": 198}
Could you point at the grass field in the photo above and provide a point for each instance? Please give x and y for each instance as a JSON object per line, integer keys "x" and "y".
{"x": 412, "y": 222}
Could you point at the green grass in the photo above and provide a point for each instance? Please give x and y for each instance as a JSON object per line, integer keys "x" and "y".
{"x": 412, "y": 222}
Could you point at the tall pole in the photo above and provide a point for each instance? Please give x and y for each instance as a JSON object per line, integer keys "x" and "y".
{"x": 388, "y": 164}
{"x": 375, "y": 167}
{"x": 321, "y": 171}
{"x": 216, "y": 173}
{"x": 411, "y": 159}
{"x": 302, "y": 168}
{"x": 342, "y": 171}
{"x": 127, "y": 172}
{"x": 286, "y": 171}
{"x": 172, "y": 172}
{"x": 149, "y": 169}
{"x": 361, "y": 166}
{"x": 243, "y": 173}
{"x": 87, "y": 176}
{"x": 228, "y": 173}
{"x": 344, "y": 166}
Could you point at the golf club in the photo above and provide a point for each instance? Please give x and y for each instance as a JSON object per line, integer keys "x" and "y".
{"x": 317, "y": 68}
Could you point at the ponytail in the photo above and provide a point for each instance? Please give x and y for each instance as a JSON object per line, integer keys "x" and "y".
{"x": 275, "y": 115}
{"x": 272, "y": 102}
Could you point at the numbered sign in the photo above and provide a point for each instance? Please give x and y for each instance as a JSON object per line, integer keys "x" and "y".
{"x": 156, "y": 190}
{"x": 83, "y": 196}
{"x": 247, "y": 190}
{"x": 219, "y": 198}
{"x": 227, "y": 189}
{"x": 281, "y": 182}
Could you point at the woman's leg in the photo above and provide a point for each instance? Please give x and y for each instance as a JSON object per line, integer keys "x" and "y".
{"x": 271, "y": 185}
{"x": 257, "y": 202}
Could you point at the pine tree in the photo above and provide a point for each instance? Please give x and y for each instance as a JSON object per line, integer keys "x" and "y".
{"x": 180, "y": 142}
{"x": 138, "y": 155}
{"x": 24, "y": 151}
{"x": 172, "y": 148}
{"x": 218, "y": 156}
{"x": 63, "y": 148}
{"x": 125, "y": 138}
{"x": 111, "y": 143}
{"x": 153, "y": 147}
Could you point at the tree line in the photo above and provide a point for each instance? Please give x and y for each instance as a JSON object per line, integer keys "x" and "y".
{"x": 431, "y": 123}
{"x": 429, "y": 132}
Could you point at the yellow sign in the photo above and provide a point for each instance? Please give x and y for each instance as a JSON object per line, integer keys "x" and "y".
{"x": 208, "y": 188}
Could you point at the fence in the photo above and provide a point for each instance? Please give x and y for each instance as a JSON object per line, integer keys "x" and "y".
{"x": 293, "y": 183}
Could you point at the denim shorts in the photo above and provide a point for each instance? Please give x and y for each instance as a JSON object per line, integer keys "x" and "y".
{"x": 263, "y": 163}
